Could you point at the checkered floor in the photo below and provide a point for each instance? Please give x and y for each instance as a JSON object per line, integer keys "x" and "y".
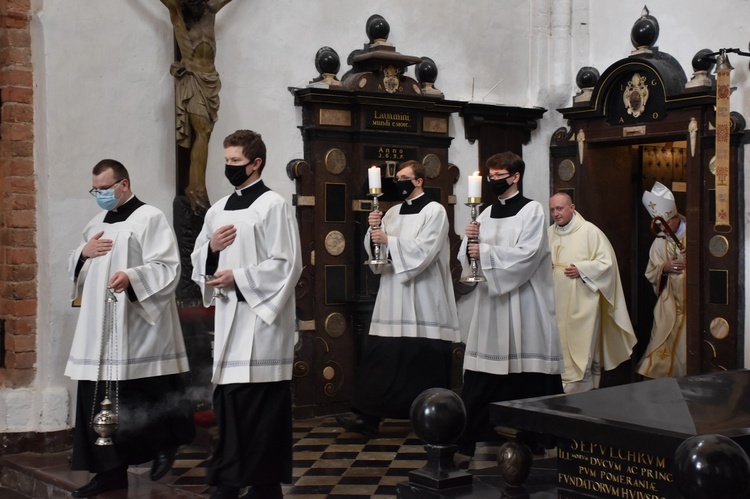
{"x": 329, "y": 462}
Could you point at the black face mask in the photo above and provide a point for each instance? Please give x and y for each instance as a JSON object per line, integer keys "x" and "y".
{"x": 499, "y": 186}
{"x": 405, "y": 188}
{"x": 236, "y": 174}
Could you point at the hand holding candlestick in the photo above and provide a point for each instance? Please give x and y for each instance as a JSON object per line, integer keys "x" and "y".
{"x": 473, "y": 262}
{"x": 376, "y": 190}
{"x": 474, "y": 202}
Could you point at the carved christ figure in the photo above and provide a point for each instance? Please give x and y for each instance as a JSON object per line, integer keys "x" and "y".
{"x": 197, "y": 87}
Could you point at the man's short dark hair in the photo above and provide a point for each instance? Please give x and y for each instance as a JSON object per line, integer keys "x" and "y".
{"x": 507, "y": 160}
{"x": 416, "y": 167}
{"x": 118, "y": 169}
{"x": 251, "y": 143}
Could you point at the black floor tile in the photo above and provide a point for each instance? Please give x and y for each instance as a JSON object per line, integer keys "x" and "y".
{"x": 311, "y": 489}
{"x": 325, "y": 472}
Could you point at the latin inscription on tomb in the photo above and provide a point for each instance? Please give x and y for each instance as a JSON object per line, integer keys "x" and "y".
{"x": 606, "y": 471}
{"x": 391, "y": 119}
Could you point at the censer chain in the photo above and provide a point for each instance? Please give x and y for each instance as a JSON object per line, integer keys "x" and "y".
{"x": 109, "y": 325}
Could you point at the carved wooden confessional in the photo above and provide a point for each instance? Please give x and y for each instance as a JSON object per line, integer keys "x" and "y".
{"x": 642, "y": 121}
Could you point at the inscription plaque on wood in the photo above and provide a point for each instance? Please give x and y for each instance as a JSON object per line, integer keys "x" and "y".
{"x": 335, "y": 117}
{"x": 391, "y": 119}
{"x": 385, "y": 153}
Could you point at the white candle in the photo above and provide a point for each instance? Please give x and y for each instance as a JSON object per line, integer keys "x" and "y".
{"x": 373, "y": 177}
{"x": 475, "y": 185}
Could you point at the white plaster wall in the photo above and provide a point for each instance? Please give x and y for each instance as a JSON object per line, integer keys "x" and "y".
{"x": 103, "y": 90}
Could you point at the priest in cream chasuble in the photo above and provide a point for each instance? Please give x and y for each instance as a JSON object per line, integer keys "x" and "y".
{"x": 592, "y": 316}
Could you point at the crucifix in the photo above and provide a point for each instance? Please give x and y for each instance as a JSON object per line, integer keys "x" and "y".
{"x": 196, "y": 89}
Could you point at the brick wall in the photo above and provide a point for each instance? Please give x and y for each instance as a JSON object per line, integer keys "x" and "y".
{"x": 18, "y": 255}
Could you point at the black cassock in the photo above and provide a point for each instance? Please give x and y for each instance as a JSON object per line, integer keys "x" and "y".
{"x": 255, "y": 443}
{"x": 153, "y": 416}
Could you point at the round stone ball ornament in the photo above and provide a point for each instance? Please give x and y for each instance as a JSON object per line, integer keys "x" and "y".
{"x": 712, "y": 466}
{"x": 438, "y": 416}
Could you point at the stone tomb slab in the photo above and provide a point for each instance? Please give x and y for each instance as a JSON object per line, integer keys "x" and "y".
{"x": 620, "y": 441}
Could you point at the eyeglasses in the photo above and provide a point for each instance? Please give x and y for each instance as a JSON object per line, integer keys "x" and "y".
{"x": 491, "y": 178}
{"x": 402, "y": 179}
{"x": 94, "y": 191}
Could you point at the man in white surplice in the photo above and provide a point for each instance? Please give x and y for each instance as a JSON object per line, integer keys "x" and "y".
{"x": 513, "y": 345}
{"x": 414, "y": 321}
{"x": 130, "y": 248}
{"x": 592, "y": 315}
{"x": 249, "y": 251}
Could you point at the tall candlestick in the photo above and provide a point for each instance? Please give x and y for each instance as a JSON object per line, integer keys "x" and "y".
{"x": 373, "y": 178}
{"x": 474, "y": 201}
{"x": 378, "y": 250}
{"x": 475, "y": 188}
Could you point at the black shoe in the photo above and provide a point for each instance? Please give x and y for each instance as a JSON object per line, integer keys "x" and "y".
{"x": 102, "y": 482}
{"x": 264, "y": 492}
{"x": 162, "y": 463}
{"x": 355, "y": 423}
{"x": 225, "y": 492}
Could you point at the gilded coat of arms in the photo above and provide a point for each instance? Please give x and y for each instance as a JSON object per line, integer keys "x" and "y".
{"x": 390, "y": 80}
{"x": 635, "y": 95}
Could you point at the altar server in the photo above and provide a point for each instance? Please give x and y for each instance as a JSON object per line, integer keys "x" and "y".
{"x": 249, "y": 251}
{"x": 130, "y": 248}
{"x": 414, "y": 321}
{"x": 513, "y": 345}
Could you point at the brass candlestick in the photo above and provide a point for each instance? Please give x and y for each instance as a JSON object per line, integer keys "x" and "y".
{"x": 474, "y": 204}
{"x": 377, "y": 249}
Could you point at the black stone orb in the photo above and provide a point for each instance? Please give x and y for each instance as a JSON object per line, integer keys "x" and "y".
{"x": 438, "y": 416}
{"x": 737, "y": 120}
{"x": 427, "y": 71}
{"x": 645, "y": 31}
{"x": 711, "y": 466}
{"x": 327, "y": 61}
{"x": 703, "y": 60}
{"x": 377, "y": 28}
{"x": 587, "y": 77}
{"x": 514, "y": 463}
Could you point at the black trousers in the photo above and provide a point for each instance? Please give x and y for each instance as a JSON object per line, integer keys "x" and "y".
{"x": 481, "y": 389}
{"x": 255, "y": 434}
{"x": 394, "y": 371}
{"x": 153, "y": 416}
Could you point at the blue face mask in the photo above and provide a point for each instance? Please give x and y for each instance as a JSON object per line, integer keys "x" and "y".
{"x": 106, "y": 199}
